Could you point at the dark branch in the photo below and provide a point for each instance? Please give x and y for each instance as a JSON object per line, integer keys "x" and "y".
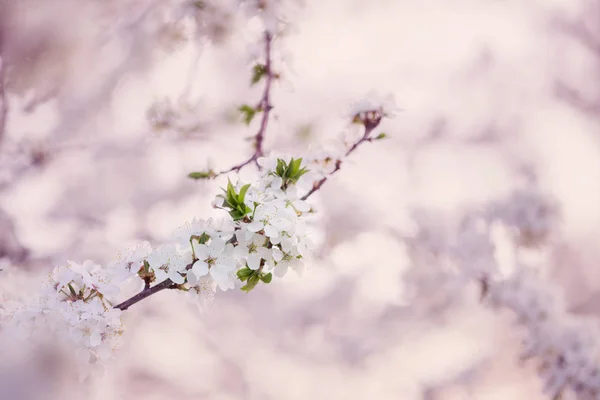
{"x": 149, "y": 291}
{"x": 265, "y": 106}
{"x": 167, "y": 284}
{"x": 369, "y": 125}
{"x": 3, "y": 100}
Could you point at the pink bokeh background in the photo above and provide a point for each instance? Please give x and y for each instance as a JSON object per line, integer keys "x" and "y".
{"x": 493, "y": 93}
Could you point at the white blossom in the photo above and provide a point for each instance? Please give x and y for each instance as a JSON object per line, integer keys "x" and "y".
{"x": 74, "y": 308}
{"x": 168, "y": 262}
{"x": 270, "y": 218}
{"x": 373, "y": 102}
{"x": 215, "y": 258}
{"x": 285, "y": 260}
{"x": 251, "y": 248}
{"x": 129, "y": 263}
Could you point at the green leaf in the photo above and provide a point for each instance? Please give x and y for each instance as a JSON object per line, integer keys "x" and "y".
{"x": 381, "y": 136}
{"x": 303, "y": 171}
{"x": 72, "y": 290}
{"x": 244, "y": 273}
{"x": 252, "y": 282}
{"x": 258, "y": 71}
{"x": 202, "y": 239}
{"x": 242, "y": 194}
{"x": 266, "y": 278}
{"x": 201, "y": 175}
{"x": 248, "y": 113}
{"x": 295, "y": 165}
{"x": 231, "y": 195}
{"x": 281, "y": 167}
{"x": 290, "y": 172}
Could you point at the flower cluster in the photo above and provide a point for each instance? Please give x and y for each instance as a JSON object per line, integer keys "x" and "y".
{"x": 565, "y": 347}
{"x": 372, "y": 108}
{"x": 75, "y": 308}
{"x": 529, "y": 215}
{"x": 263, "y": 234}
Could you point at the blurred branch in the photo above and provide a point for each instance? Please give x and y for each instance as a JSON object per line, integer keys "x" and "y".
{"x": 3, "y": 101}
{"x": 584, "y": 34}
{"x": 370, "y": 125}
{"x": 265, "y": 106}
{"x": 576, "y": 99}
{"x": 134, "y": 33}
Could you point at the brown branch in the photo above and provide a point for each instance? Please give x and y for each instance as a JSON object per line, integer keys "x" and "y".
{"x": 149, "y": 291}
{"x": 369, "y": 125}
{"x": 3, "y": 100}
{"x": 265, "y": 106}
{"x": 167, "y": 284}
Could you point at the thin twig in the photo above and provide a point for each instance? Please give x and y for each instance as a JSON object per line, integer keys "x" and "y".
{"x": 265, "y": 106}
{"x": 3, "y": 101}
{"x": 366, "y": 137}
{"x": 149, "y": 291}
{"x": 166, "y": 284}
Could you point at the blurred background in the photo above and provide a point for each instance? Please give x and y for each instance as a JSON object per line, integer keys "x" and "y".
{"x": 106, "y": 106}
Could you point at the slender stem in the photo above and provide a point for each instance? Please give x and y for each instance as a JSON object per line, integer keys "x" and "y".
{"x": 149, "y": 291}
{"x": 366, "y": 137}
{"x": 265, "y": 103}
{"x": 265, "y": 106}
{"x": 166, "y": 284}
{"x": 3, "y": 101}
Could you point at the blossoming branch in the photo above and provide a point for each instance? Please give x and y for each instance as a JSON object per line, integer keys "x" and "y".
{"x": 263, "y": 235}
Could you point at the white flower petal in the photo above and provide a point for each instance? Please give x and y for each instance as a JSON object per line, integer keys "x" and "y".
{"x": 280, "y": 270}
{"x": 253, "y": 261}
{"x": 95, "y": 339}
{"x": 200, "y": 268}
{"x": 301, "y": 206}
{"x": 271, "y": 232}
{"x": 176, "y": 277}
{"x": 277, "y": 254}
{"x": 255, "y": 226}
{"x": 192, "y": 278}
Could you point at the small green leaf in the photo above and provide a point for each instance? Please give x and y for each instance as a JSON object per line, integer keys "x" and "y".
{"x": 252, "y": 282}
{"x": 202, "y": 239}
{"x": 266, "y": 278}
{"x": 381, "y": 136}
{"x": 280, "y": 169}
{"x": 248, "y": 113}
{"x": 231, "y": 195}
{"x": 296, "y": 165}
{"x": 244, "y": 273}
{"x": 303, "y": 171}
{"x": 200, "y": 175}
{"x": 258, "y": 71}
{"x": 72, "y": 290}
{"x": 242, "y": 194}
